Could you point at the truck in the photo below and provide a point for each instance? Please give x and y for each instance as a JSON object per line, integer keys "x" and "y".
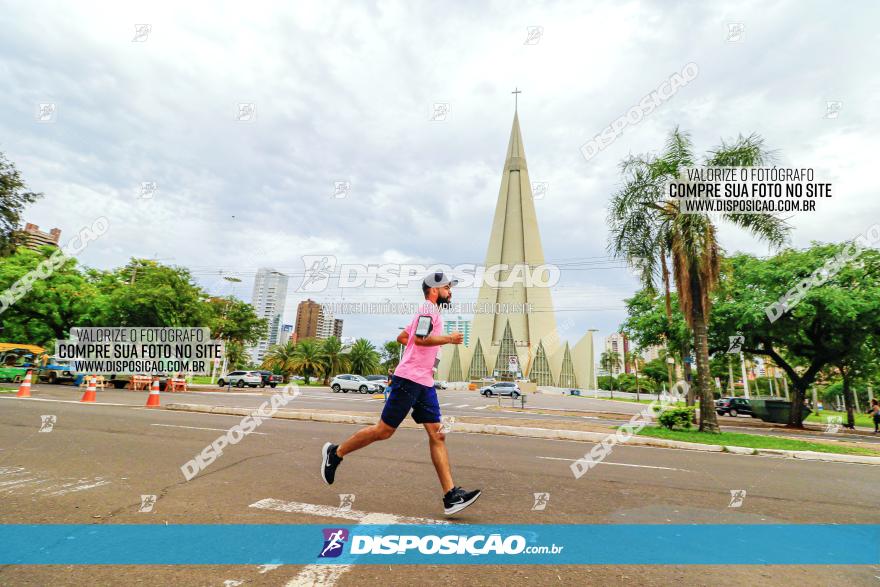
{"x": 17, "y": 359}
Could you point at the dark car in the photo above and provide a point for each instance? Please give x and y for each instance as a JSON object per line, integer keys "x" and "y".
{"x": 270, "y": 379}
{"x": 733, "y": 406}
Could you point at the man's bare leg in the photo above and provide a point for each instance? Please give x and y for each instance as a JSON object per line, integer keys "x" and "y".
{"x": 439, "y": 455}
{"x": 364, "y": 437}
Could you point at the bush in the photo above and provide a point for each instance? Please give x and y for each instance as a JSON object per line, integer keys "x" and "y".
{"x": 681, "y": 417}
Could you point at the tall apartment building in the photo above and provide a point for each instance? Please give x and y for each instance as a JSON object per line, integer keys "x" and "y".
{"x": 34, "y": 238}
{"x": 269, "y": 296}
{"x": 314, "y": 321}
{"x": 619, "y": 344}
{"x": 337, "y": 328}
{"x": 286, "y": 333}
{"x": 460, "y": 325}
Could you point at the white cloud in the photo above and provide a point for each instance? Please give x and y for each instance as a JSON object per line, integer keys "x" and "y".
{"x": 343, "y": 93}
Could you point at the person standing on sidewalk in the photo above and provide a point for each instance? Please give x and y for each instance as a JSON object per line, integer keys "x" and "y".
{"x": 412, "y": 389}
{"x": 875, "y": 412}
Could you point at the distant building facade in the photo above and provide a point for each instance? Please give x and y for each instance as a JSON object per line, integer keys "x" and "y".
{"x": 286, "y": 333}
{"x": 34, "y": 238}
{"x": 459, "y": 325}
{"x": 314, "y": 321}
{"x": 618, "y": 343}
{"x": 268, "y": 299}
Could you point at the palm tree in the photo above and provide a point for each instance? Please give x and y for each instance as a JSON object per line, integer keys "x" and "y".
{"x": 307, "y": 359}
{"x": 646, "y": 228}
{"x": 609, "y": 361}
{"x": 363, "y": 358}
{"x": 635, "y": 359}
{"x": 236, "y": 358}
{"x": 281, "y": 357}
{"x": 333, "y": 360}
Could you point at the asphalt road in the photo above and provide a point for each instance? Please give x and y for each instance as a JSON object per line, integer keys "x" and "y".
{"x": 453, "y": 403}
{"x": 99, "y": 459}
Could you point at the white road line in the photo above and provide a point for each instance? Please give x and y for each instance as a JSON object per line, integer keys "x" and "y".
{"x": 462, "y": 406}
{"x": 66, "y": 401}
{"x": 74, "y": 487}
{"x": 481, "y": 407}
{"x": 446, "y": 404}
{"x": 329, "y": 574}
{"x": 328, "y": 511}
{"x": 619, "y": 464}
{"x": 55, "y": 489}
{"x": 200, "y": 428}
{"x": 312, "y": 575}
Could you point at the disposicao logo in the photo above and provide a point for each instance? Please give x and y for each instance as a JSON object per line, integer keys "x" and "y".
{"x": 334, "y": 539}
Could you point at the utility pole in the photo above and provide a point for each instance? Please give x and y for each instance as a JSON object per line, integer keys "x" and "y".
{"x": 730, "y": 385}
{"x": 742, "y": 362}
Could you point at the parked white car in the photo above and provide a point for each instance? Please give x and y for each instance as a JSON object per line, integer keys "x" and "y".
{"x": 241, "y": 378}
{"x": 502, "y": 388}
{"x": 346, "y": 383}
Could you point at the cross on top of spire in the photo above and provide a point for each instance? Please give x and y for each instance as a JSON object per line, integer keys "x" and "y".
{"x": 516, "y": 92}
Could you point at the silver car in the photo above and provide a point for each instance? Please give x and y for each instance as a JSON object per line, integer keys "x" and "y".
{"x": 502, "y": 388}
{"x": 241, "y": 379}
{"x": 346, "y": 383}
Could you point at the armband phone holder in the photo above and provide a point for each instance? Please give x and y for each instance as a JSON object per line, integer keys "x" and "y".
{"x": 424, "y": 326}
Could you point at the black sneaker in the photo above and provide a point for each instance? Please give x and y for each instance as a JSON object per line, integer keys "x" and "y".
{"x": 457, "y": 499}
{"x": 329, "y": 462}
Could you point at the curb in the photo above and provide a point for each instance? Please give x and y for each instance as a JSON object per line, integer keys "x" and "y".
{"x": 547, "y": 433}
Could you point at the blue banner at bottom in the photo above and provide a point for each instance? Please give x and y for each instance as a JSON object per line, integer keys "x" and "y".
{"x": 594, "y": 544}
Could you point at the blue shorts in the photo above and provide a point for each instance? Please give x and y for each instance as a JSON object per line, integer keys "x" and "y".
{"x": 405, "y": 395}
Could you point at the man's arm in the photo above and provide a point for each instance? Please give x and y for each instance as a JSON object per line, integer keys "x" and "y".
{"x": 439, "y": 339}
{"x": 403, "y": 337}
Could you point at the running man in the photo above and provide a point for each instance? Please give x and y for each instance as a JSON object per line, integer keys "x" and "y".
{"x": 412, "y": 388}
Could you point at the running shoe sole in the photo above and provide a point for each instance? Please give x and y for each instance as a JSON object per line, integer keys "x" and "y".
{"x": 460, "y": 506}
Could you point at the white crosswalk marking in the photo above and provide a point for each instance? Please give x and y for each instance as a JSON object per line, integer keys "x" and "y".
{"x": 328, "y": 574}
{"x": 462, "y": 406}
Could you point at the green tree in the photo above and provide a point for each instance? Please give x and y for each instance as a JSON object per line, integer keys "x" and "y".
{"x": 14, "y": 196}
{"x": 232, "y": 319}
{"x": 52, "y": 305}
{"x": 236, "y": 357}
{"x": 834, "y": 322}
{"x": 284, "y": 358}
{"x": 646, "y": 228}
{"x": 609, "y": 360}
{"x": 333, "y": 358}
{"x": 146, "y": 293}
{"x": 655, "y": 370}
{"x": 363, "y": 358}
{"x": 307, "y": 358}
{"x": 391, "y": 353}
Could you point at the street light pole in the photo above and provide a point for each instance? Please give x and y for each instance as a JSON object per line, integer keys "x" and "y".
{"x": 742, "y": 362}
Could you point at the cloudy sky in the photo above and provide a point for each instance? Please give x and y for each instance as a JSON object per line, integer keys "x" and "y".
{"x": 345, "y": 92}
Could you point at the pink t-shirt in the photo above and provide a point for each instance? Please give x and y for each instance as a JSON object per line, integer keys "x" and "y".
{"x": 417, "y": 363}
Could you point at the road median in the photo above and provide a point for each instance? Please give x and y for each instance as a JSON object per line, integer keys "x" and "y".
{"x": 573, "y": 431}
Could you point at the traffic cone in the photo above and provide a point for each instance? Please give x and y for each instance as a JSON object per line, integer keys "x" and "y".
{"x": 153, "y": 398}
{"x": 24, "y": 390}
{"x": 89, "y": 395}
